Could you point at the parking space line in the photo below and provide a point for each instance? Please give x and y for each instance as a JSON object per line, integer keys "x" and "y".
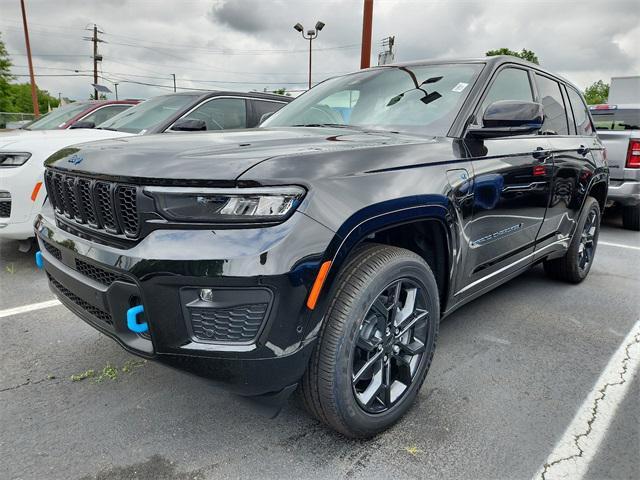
{"x": 29, "y": 308}
{"x": 619, "y": 245}
{"x": 579, "y": 444}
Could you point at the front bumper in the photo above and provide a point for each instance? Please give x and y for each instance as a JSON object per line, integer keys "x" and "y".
{"x": 624, "y": 192}
{"x": 164, "y": 272}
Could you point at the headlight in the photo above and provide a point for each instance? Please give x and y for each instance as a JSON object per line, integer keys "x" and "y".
{"x": 13, "y": 159}
{"x": 220, "y": 205}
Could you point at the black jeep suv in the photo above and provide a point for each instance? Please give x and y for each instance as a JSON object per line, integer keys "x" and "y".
{"x": 321, "y": 250}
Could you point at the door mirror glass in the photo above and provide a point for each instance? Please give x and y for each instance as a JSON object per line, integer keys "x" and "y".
{"x": 509, "y": 117}
{"x": 189, "y": 125}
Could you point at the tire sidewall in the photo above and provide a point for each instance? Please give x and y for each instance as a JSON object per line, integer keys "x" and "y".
{"x": 592, "y": 205}
{"x": 361, "y": 421}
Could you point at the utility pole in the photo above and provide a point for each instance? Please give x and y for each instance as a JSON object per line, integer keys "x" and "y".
{"x": 96, "y": 57}
{"x": 116, "y": 86}
{"x": 367, "y": 20}
{"x": 34, "y": 92}
{"x": 311, "y": 35}
{"x": 174, "y": 81}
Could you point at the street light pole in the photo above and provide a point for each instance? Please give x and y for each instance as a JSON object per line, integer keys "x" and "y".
{"x": 311, "y": 35}
{"x": 116, "y": 86}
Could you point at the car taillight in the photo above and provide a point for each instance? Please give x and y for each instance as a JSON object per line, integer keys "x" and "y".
{"x": 633, "y": 154}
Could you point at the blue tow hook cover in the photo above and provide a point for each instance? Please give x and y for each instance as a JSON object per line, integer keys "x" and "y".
{"x": 39, "y": 263}
{"x": 132, "y": 323}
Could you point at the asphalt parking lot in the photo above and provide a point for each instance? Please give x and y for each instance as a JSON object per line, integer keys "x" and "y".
{"x": 511, "y": 373}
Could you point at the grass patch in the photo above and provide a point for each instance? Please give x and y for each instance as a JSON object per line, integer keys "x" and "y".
{"x": 109, "y": 371}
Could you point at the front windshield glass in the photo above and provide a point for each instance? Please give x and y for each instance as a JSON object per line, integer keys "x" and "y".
{"x": 148, "y": 114}
{"x": 422, "y": 99}
{"x": 57, "y": 117}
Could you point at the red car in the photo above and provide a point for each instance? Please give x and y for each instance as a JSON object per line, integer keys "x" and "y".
{"x": 90, "y": 112}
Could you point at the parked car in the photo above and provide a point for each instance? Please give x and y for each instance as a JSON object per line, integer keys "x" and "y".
{"x": 321, "y": 250}
{"x": 85, "y": 114}
{"x": 618, "y": 127}
{"x": 23, "y": 152}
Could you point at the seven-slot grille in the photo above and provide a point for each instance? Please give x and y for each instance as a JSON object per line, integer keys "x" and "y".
{"x": 98, "y": 204}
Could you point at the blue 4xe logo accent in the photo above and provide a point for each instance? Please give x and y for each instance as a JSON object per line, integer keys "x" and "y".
{"x": 75, "y": 159}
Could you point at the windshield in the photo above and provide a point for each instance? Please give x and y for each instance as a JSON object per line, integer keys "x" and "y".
{"x": 423, "y": 99}
{"x": 148, "y": 114}
{"x": 616, "y": 119}
{"x": 58, "y": 117}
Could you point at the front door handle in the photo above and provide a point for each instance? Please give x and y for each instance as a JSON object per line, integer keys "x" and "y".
{"x": 582, "y": 150}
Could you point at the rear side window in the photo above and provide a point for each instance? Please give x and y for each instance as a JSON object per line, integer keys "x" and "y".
{"x": 555, "y": 115}
{"x": 580, "y": 113}
{"x": 262, "y": 107}
{"x": 510, "y": 84}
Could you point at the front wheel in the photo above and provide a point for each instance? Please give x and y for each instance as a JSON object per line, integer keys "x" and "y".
{"x": 376, "y": 344}
{"x": 576, "y": 263}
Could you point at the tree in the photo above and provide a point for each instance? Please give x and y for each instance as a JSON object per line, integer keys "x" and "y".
{"x": 524, "y": 54}
{"x": 597, "y": 92}
{"x": 282, "y": 91}
{"x": 5, "y": 77}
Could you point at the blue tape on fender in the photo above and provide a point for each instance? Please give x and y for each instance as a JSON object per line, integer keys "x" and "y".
{"x": 39, "y": 263}
{"x": 132, "y": 322}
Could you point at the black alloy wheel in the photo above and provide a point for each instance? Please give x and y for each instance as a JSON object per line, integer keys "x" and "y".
{"x": 390, "y": 346}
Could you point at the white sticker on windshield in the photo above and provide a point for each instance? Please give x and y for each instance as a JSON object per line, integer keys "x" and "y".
{"x": 459, "y": 87}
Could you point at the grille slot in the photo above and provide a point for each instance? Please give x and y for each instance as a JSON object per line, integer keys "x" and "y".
{"x": 234, "y": 324}
{"x": 98, "y": 274}
{"x": 5, "y": 208}
{"x": 54, "y": 251}
{"x": 104, "y": 206}
{"x": 87, "y": 307}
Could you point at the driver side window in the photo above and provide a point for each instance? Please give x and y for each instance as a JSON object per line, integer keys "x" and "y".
{"x": 221, "y": 113}
{"x": 510, "y": 84}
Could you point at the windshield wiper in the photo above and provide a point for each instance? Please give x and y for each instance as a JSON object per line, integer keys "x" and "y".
{"x": 339, "y": 125}
{"x": 107, "y": 128}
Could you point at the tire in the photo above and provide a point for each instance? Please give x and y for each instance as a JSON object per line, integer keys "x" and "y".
{"x": 631, "y": 217}
{"x": 574, "y": 266}
{"x": 354, "y": 334}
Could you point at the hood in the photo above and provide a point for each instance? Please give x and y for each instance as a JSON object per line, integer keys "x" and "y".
{"x": 28, "y": 140}
{"x": 221, "y": 156}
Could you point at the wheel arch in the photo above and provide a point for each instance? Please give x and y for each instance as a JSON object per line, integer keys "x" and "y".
{"x": 422, "y": 225}
{"x": 598, "y": 190}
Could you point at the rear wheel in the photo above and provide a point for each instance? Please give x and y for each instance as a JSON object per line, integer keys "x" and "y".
{"x": 576, "y": 263}
{"x": 631, "y": 217}
{"x": 376, "y": 344}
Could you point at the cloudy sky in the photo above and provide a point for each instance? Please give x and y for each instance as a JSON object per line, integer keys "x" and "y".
{"x": 251, "y": 45}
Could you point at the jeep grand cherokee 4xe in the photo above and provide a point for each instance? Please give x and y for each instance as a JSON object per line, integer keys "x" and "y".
{"x": 321, "y": 250}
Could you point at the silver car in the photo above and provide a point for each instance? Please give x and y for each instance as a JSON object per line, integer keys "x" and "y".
{"x": 618, "y": 127}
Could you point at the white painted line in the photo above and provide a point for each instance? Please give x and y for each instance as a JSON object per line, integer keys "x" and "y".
{"x": 579, "y": 445}
{"x": 29, "y": 308}
{"x": 619, "y": 245}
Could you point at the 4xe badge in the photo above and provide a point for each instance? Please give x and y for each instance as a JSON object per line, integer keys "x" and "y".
{"x": 75, "y": 159}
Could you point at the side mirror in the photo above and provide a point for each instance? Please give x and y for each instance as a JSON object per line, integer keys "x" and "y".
{"x": 509, "y": 117}
{"x": 189, "y": 125}
{"x": 83, "y": 124}
{"x": 264, "y": 116}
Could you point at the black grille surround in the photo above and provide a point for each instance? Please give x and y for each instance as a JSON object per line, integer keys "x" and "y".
{"x": 80, "y": 303}
{"x": 100, "y": 206}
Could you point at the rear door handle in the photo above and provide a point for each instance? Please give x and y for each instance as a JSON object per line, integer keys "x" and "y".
{"x": 582, "y": 150}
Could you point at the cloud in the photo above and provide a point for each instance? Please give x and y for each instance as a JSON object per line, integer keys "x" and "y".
{"x": 251, "y": 44}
